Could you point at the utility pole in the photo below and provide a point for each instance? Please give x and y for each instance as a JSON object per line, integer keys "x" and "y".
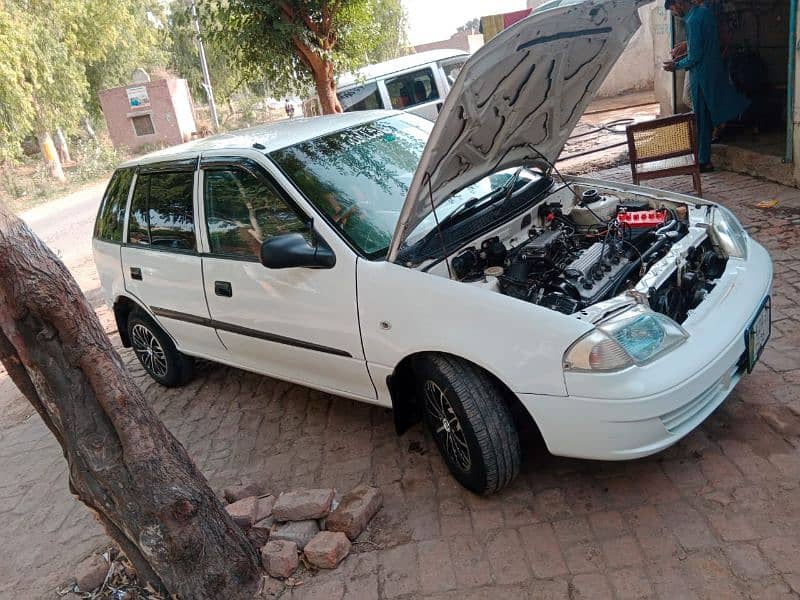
{"x": 204, "y": 65}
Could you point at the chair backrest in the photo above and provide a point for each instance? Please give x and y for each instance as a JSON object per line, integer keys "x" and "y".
{"x": 661, "y": 139}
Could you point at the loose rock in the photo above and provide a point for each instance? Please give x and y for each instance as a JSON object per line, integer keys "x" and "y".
{"x": 243, "y": 512}
{"x": 303, "y": 504}
{"x": 91, "y": 573}
{"x": 264, "y": 509}
{"x": 327, "y": 549}
{"x": 259, "y": 534}
{"x": 244, "y": 489}
{"x": 355, "y": 511}
{"x": 299, "y": 532}
{"x": 279, "y": 558}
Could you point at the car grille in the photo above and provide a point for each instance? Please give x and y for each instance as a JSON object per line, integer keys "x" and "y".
{"x": 677, "y": 419}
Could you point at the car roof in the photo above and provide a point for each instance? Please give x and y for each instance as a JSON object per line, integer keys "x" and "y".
{"x": 398, "y": 64}
{"x": 272, "y": 136}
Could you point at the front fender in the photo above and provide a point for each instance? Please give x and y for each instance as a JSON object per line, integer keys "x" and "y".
{"x": 403, "y": 311}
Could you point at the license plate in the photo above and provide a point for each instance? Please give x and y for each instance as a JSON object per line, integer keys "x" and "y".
{"x": 758, "y": 333}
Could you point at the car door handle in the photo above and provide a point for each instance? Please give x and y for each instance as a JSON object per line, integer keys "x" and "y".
{"x": 136, "y": 273}
{"x": 223, "y": 288}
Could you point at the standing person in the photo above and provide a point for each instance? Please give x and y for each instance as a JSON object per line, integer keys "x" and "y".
{"x": 714, "y": 99}
{"x": 289, "y": 107}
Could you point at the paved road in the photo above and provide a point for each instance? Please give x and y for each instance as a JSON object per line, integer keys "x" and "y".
{"x": 716, "y": 516}
{"x": 66, "y": 224}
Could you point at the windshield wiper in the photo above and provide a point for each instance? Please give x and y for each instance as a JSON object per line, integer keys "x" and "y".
{"x": 471, "y": 203}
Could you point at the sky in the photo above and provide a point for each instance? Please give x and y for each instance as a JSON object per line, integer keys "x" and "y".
{"x": 433, "y": 20}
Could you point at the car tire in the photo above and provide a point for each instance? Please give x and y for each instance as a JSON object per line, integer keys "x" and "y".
{"x": 467, "y": 416}
{"x": 157, "y": 352}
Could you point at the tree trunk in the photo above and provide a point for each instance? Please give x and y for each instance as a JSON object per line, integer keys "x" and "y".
{"x": 62, "y": 147}
{"x": 50, "y": 156}
{"x": 325, "y": 83}
{"x": 123, "y": 462}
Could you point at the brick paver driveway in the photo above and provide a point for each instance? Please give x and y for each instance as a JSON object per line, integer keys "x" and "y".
{"x": 717, "y": 516}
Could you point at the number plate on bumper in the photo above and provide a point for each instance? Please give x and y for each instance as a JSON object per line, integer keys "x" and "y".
{"x": 758, "y": 333}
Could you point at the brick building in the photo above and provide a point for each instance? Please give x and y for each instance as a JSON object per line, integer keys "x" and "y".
{"x": 149, "y": 113}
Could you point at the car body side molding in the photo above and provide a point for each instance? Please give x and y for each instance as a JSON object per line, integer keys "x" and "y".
{"x": 263, "y": 335}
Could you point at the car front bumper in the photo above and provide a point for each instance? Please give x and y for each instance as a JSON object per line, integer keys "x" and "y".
{"x": 642, "y": 410}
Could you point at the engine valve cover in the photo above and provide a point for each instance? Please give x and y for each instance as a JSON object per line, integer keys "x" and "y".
{"x": 590, "y": 275}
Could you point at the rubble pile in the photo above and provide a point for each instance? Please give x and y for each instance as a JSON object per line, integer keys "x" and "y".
{"x": 301, "y": 524}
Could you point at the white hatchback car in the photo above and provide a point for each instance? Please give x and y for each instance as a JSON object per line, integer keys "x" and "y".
{"x": 446, "y": 270}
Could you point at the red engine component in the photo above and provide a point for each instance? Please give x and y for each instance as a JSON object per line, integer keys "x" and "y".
{"x": 643, "y": 219}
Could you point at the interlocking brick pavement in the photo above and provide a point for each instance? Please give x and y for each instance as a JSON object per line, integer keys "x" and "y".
{"x": 716, "y": 516}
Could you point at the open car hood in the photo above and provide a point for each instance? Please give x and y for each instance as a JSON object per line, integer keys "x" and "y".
{"x": 517, "y": 100}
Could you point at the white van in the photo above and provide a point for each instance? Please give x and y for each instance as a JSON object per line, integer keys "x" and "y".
{"x": 417, "y": 83}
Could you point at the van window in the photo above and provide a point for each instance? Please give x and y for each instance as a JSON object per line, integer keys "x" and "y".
{"x": 412, "y": 89}
{"x": 162, "y": 214}
{"x": 364, "y": 97}
{"x": 451, "y": 68}
{"x": 111, "y": 217}
{"x": 243, "y": 210}
{"x": 171, "y": 213}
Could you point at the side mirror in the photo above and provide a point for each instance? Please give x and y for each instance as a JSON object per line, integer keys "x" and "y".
{"x": 293, "y": 250}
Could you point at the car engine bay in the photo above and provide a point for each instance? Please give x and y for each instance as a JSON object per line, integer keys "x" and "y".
{"x": 576, "y": 253}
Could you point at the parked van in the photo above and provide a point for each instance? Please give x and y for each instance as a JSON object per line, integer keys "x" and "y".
{"x": 417, "y": 83}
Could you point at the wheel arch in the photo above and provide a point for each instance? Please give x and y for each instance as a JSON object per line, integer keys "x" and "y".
{"x": 123, "y": 307}
{"x": 406, "y": 407}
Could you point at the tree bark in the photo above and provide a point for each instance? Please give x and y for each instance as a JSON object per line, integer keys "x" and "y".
{"x": 50, "y": 156}
{"x": 325, "y": 82}
{"x": 123, "y": 462}
{"x": 62, "y": 147}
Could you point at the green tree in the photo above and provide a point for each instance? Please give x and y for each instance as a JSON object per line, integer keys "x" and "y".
{"x": 471, "y": 26}
{"x": 184, "y": 57}
{"x": 392, "y": 22}
{"x": 55, "y": 55}
{"x": 295, "y": 43}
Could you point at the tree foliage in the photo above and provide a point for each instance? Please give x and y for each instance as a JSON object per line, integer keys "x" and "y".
{"x": 55, "y": 55}
{"x": 471, "y": 26}
{"x": 392, "y": 22}
{"x": 184, "y": 57}
{"x": 297, "y": 43}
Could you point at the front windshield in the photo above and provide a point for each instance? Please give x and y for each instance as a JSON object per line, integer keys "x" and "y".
{"x": 358, "y": 179}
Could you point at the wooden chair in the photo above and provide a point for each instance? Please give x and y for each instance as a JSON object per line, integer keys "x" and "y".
{"x": 665, "y": 148}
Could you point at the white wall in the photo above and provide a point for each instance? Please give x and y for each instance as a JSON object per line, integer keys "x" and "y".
{"x": 635, "y": 69}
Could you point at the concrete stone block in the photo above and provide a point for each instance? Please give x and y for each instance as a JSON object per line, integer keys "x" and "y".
{"x": 299, "y": 532}
{"x": 300, "y": 505}
{"x": 327, "y": 549}
{"x": 355, "y": 510}
{"x": 279, "y": 558}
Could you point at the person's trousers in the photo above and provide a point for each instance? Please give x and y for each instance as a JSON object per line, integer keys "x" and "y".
{"x": 705, "y": 128}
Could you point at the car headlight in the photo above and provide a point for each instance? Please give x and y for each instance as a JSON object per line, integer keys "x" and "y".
{"x": 728, "y": 233}
{"x": 635, "y": 337}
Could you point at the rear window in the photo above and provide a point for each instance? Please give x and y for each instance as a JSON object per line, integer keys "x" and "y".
{"x": 111, "y": 217}
{"x": 162, "y": 213}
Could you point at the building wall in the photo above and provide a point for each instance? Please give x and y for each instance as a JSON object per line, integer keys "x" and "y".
{"x": 468, "y": 42}
{"x": 635, "y": 69}
{"x": 170, "y": 126}
{"x": 184, "y": 107}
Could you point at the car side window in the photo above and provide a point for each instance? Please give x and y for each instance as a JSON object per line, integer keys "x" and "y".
{"x": 111, "y": 218}
{"x": 171, "y": 211}
{"x": 364, "y": 97}
{"x": 412, "y": 89}
{"x": 138, "y": 228}
{"x": 244, "y": 209}
{"x": 452, "y": 68}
